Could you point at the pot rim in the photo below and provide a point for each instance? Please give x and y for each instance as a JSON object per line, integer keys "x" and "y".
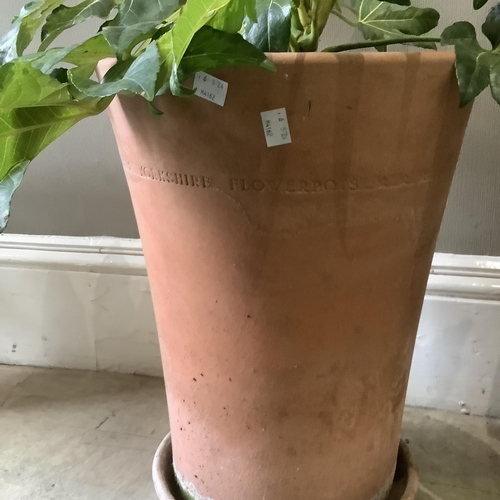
{"x": 289, "y": 58}
{"x": 446, "y": 57}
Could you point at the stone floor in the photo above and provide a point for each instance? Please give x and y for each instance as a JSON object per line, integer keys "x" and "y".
{"x": 74, "y": 435}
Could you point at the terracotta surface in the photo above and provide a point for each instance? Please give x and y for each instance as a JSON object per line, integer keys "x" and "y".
{"x": 288, "y": 281}
{"x": 404, "y": 487}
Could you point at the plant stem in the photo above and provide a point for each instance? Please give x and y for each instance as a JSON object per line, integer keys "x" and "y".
{"x": 348, "y": 21}
{"x": 381, "y": 43}
{"x": 304, "y": 18}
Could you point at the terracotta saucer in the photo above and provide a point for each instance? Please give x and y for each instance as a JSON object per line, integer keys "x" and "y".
{"x": 405, "y": 484}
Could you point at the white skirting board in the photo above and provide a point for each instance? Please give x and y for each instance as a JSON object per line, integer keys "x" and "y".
{"x": 85, "y": 303}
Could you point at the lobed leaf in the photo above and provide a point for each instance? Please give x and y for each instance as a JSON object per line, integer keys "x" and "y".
{"x": 405, "y": 3}
{"x": 22, "y": 85}
{"x": 138, "y": 79}
{"x": 63, "y": 18}
{"x": 479, "y": 3}
{"x": 8, "y": 186}
{"x": 212, "y": 49}
{"x": 8, "y": 48}
{"x": 24, "y": 27}
{"x": 164, "y": 44}
{"x": 476, "y": 67}
{"x": 194, "y": 15}
{"x": 25, "y": 132}
{"x": 379, "y": 20}
{"x": 495, "y": 81}
{"x": 410, "y": 21}
{"x": 230, "y": 18}
{"x": 137, "y": 20}
{"x": 491, "y": 27}
{"x": 89, "y": 52}
{"x": 460, "y": 31}
{"x": 272, "y": 31}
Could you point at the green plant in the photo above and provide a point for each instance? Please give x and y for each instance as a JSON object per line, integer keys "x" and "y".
{"x": 159, "y": 44}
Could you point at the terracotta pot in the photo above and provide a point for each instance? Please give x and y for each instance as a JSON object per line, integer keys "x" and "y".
{"x": 288, "y": 281}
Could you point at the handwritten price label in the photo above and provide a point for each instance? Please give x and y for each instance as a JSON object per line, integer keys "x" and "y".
{"x": 210, "y": 88}
{"x": 276, "y": 129}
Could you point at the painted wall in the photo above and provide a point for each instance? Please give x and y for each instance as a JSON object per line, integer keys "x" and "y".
{"x": 76, "y": 186}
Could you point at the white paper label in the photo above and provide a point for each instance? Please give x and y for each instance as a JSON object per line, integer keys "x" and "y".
{"x": 210, "y": 88}
{"x": 276, "y": 127}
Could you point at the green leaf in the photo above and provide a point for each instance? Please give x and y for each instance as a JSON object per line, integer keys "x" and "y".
{"x": 495, "y": 81}
{"x": 491, "y": 27}
{"x": 272, "y": 31}
{"x": 230, "y": 18}
{"x": 154, "y": 110}
{"x": 211, "y": 49}
{"x": 136, "y": 21}
{"x": 8, "y": 186}
{"x": 251, "y": 10}
{"x": 458, "y": 32}
{"x": 472, "y": 73}
{"x": 406, "y": 3}
{"x": 474, "y": 64}
{"x": 64, "y": 17}
{"x": 8, "y": 50}
{"x": 426, "y": 45}
{"x": 25, "y": 132}
{"x": 139, "y": 79}
{"x": 24, "y": 27}
{"x": 134, "y": 12}
{"x": 166, "y": 62}
{"x": 89, "y": 52}
{"x": 479, "y": 3}
{"x": 124, "y": 38}
{"x": 22, "y": 85}
{"x": 116, "y": 72}
{"x": 381, "y": 21}
{"x": 194, "y": 15}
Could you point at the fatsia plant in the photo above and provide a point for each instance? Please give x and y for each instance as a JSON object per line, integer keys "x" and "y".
{"x": 159, "y": 44}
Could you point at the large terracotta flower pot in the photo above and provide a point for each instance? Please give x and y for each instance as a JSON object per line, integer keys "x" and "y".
{"x": 288, "y": 281}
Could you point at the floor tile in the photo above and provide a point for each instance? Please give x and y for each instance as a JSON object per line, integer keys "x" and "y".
{"x": 455, "y": 454}
{"x": 73, "y": 435}
{"x": 10, "y": 377}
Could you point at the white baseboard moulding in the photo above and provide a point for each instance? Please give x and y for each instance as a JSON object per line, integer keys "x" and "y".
{"x": 85, "y": 303}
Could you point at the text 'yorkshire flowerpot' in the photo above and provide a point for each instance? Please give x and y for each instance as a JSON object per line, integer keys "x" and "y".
{"x": 288, "y": 281}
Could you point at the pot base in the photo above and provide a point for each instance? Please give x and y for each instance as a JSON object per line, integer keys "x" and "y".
{"x": 404, "y": 487}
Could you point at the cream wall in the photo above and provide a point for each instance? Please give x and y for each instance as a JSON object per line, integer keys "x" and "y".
{"x": 76, "y": 186}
